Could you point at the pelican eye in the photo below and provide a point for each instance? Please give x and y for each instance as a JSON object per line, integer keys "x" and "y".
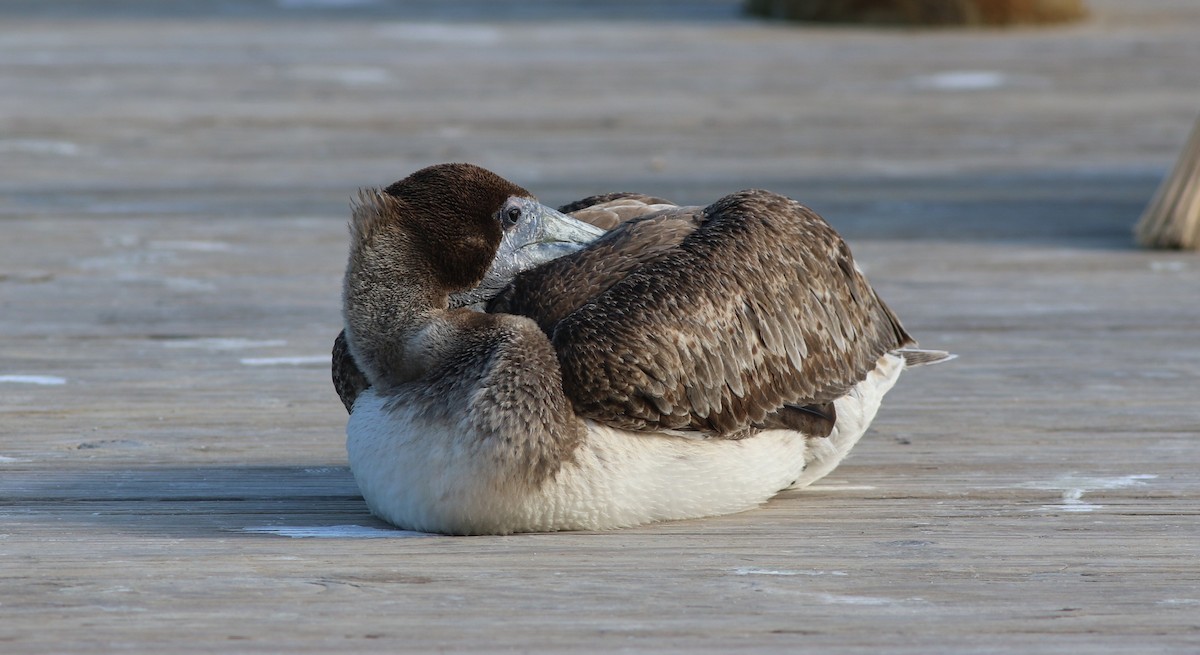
{"x": 512, "y": 215}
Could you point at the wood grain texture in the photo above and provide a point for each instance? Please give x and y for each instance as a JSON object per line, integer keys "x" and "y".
{"x": 173, "y": 205}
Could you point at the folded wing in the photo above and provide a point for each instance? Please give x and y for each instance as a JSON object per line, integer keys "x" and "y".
{"x": 715, "y": 320}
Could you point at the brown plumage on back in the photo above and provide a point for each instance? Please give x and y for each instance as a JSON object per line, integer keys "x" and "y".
{"x": 719, "y": 320}
{"x": 609, "y": 210}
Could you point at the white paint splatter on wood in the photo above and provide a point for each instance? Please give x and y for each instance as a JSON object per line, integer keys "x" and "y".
{"x": 42, "y": 380}
{"x": 963, "y": 80}
{"x": 1073, "y": 487}
{"x": 783, "y": 572}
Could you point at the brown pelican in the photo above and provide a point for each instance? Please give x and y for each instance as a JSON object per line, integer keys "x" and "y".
{"x": 688, "y": 362}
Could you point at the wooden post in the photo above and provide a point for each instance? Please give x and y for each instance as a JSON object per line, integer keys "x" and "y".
{"x": 921, "y": 12}
{"x": 1172, "y": 219}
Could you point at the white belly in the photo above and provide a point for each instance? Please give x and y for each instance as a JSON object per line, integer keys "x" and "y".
{"x": 855, "y": 411}
{"x": 424, "y": 476}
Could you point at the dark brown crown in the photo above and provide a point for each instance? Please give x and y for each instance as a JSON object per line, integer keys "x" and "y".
{"x": 449, "y": 212}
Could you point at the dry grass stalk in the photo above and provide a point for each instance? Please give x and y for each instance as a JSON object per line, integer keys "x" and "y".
{"x": 1172, "y": 219}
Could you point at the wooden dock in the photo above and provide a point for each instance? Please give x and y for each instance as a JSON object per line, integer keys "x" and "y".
{"x": 173, "y": 193}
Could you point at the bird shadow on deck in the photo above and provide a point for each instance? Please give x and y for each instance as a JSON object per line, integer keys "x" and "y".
{"x": 197, "y": 501}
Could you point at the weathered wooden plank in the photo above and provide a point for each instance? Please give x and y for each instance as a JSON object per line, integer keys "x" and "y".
{"x": 172, "y": 203}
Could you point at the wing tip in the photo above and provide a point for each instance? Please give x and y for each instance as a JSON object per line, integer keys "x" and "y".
{"x": 921, "y": 357}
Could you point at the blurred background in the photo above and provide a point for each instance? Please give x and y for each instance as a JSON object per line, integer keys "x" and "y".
{"x": 286, "y": 106}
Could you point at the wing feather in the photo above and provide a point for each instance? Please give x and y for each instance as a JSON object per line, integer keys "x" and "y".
{"x": 609, "y": 210}
{"x": 348, "y": 380}
{"x": 759, "y": 306}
